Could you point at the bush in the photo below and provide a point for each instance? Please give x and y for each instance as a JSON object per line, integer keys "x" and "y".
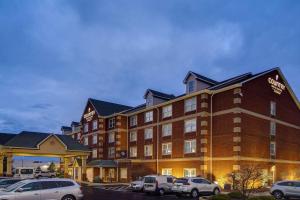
{"x": 235, "y": 195}
{"x": 220, "y": 197}
{"x": 262, "y": 198}
{"x": 97, "y": 179}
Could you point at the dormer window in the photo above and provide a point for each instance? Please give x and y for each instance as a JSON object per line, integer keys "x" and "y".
{"x": 191, "y": 86}
{"x": 149, "y": 101}
{"x": 195, "y": 82}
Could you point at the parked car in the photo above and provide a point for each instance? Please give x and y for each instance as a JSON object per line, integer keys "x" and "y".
{"x": 195, "y": 186}
{"x": 24, "y": 172}
{"x": 46, "y": 189}
{"x": 8, "y": 181}
{"x": 44, "y": 174}
{"x": 137, "y": 185}
{"x": 285, "y": 189}
{"x": 158, "y": 184}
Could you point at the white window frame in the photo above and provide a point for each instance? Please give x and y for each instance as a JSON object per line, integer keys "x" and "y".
{"x": 192, "y": 146}
{"x": 191, "y": 172}
{"x": 148, "y": 150}
{"x": 95, "y": 153}
{"x": 167, "y": 111}
{"x": 190, "y": 104}
{"x": 133, "y": 136}
{"x": 86, "y": 141}
{"x": 148, "y": 133}
{"x": 166, "y": 171}
{"x": 273, "y": 108}
{"x": 272, "y": 148}
{"x": 95, "y": 124}
{"x": 149, "y": 116}
{"x": 86, "y": 128}
{"x": 111, "y": 137}
{"x": 190, "y": 125}
{"x": 111, "y": 122}
{"x": 133, "y": 151}
{"x": 133, "y": 120}
{"x": 166, "y": 148}
{"x": 78, "y": 136}
{"x": 167, "y": 129}
{"x": 111, "y": 152}
{"x": 95, "y": 139}
{"x": 272, "y": 128}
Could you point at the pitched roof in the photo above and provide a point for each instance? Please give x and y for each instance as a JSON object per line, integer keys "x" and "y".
{"x": 200, "y": 77}
{"x": 160, "y": 95}
{"x": 5, "y": 137}
{"x": 104, "y": 108}
{"x": 31, "y": 140}
{"x": 66, "y": 128}
{"x": 231, "y": 81}
{"x": 75, "y": 123}
{"x": 135, "y": 109}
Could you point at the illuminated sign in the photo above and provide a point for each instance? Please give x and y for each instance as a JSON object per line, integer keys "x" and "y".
{"x": 276, "y": 85}
{"x": 89, "y": 115}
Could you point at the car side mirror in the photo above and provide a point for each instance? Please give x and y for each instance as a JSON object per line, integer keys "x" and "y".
{"x": 19, "y": 190}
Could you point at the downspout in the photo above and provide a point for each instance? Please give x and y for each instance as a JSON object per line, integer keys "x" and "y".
{"x": 211, "y": 142}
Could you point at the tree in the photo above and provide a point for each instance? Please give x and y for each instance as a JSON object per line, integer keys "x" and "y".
{"x": 51, "y": 167}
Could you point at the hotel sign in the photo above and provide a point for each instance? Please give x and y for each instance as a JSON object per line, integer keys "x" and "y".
{"x": 276, "y": 85}
{"x": 89, "y": 116}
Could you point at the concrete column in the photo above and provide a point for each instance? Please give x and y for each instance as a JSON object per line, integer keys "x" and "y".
{"x": 83, "y": 170}
{"x": 66, "y": 166}
{"x": 9, "y": 165}
{"x": 1, "y": 165}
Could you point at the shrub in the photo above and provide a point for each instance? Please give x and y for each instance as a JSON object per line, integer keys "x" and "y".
{"x": 235, "y": 195}
{"x": 220, "y": 197}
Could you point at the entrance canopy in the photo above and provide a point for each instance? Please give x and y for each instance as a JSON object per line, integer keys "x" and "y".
{"x": 102, "y": 163}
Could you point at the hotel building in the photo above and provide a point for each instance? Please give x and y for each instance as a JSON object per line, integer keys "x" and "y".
{"x": 211, "y": 130}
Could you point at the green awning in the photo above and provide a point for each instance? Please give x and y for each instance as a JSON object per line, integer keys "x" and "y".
{"x": 102, "y": 163}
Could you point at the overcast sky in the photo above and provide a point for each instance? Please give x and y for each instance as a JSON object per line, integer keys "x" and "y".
{"x": 54, "y": 55}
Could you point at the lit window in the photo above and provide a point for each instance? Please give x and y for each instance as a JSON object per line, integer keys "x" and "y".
{"x": 149, "y": 116}
{"x": 190, "y": 146}
{"x": 111, "y": 152}
{"x": 133, "y": 120}
{"x": 95, "y": 124}
{"x": 272, "y": 148}
{"x": 94, "y": 139}
{"x": 148, "y": 150}
{"x": 189, "y": 172}
{"x": 123, "y": 173}
{"x": 167, "y": 111}
{"x": 133, "y": 136}
{"x": 166, "y": 171}
{"x": 272, "y": 128}
{"x": 148, "y": 134}
{"x": 86, "y": 128}
{"x": 167, "y": 148}
{"x": 111, "y": 137}
{"x": 111, "y": 122}
{"x": 166, "y": 130}
{"x": 73, "y": 136}
{"x": 133, "y": 151}
{"x": 191, "y": 86}
{"x": 86, "y": 141}
{"x": 273, "y": 108}
{"x": 94, "y": 153}
{"x": 190, "y": 104}
{"x": 190, "y": 125}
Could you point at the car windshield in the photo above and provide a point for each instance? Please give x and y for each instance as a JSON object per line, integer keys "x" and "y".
{"x": 13, "y": 186}
{"x": 26, "y": 171}
{"x": 150, "y": 180}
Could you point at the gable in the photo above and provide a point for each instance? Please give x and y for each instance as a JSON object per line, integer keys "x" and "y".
{"x": 89, "y": 112}
{"x": 52, "y": 145}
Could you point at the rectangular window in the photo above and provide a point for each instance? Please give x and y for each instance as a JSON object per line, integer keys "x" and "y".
{"x": 166, "y": 130}
{"x": 273, "y": 108}
{"x": 111, "y": 137}
{"x": 133, "y": 151}
{"x": 86, "y": 141}
{"x": 166, "y": 171}
{"x": 272, "y": 128}
{"x": 149, "y": 101}
{"x": 190, "y": 146}
{"x": 94, "y": 153}
{"x": 95, "y": 124}
{"x": 190, "y": 125}
{"x": 190, "y": 104}
{"x": 149, "y": 116}
{"x": 148, "y": 134}
{"x": 111, "y": 152}
{"x": 272, "y": 148}
{"x": 111, "y": 122}
{"x": 191, "y": 86}
{"x": 167, "y": 111}
{"x": 189, "y": 172}
{"x": 133, "y": 136}
{"x": 78, "y": 136}
{"x": 86, "y": 128}
{"x": 167, "y": 148}
{"x": 111, "y": 173}
{"x": 133, "y": 120}
{"x": 95, "y": 139}
{"x": 148, "y": 150}
{"x": 123, "y": 173}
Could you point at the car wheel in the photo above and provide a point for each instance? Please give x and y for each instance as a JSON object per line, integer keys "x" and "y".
{"x": 278, "y": 194}
{"x": 161, "y": 192}
{"x": 216, "y": 191}
{"x": 194, "y": 193}
{"x": 68, "y": 197}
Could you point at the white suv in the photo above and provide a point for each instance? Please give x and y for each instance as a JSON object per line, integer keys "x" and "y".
{"x": 195, "y": 186}
{"x": 158, "y": 184}
{"x": 285, "y": 189}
